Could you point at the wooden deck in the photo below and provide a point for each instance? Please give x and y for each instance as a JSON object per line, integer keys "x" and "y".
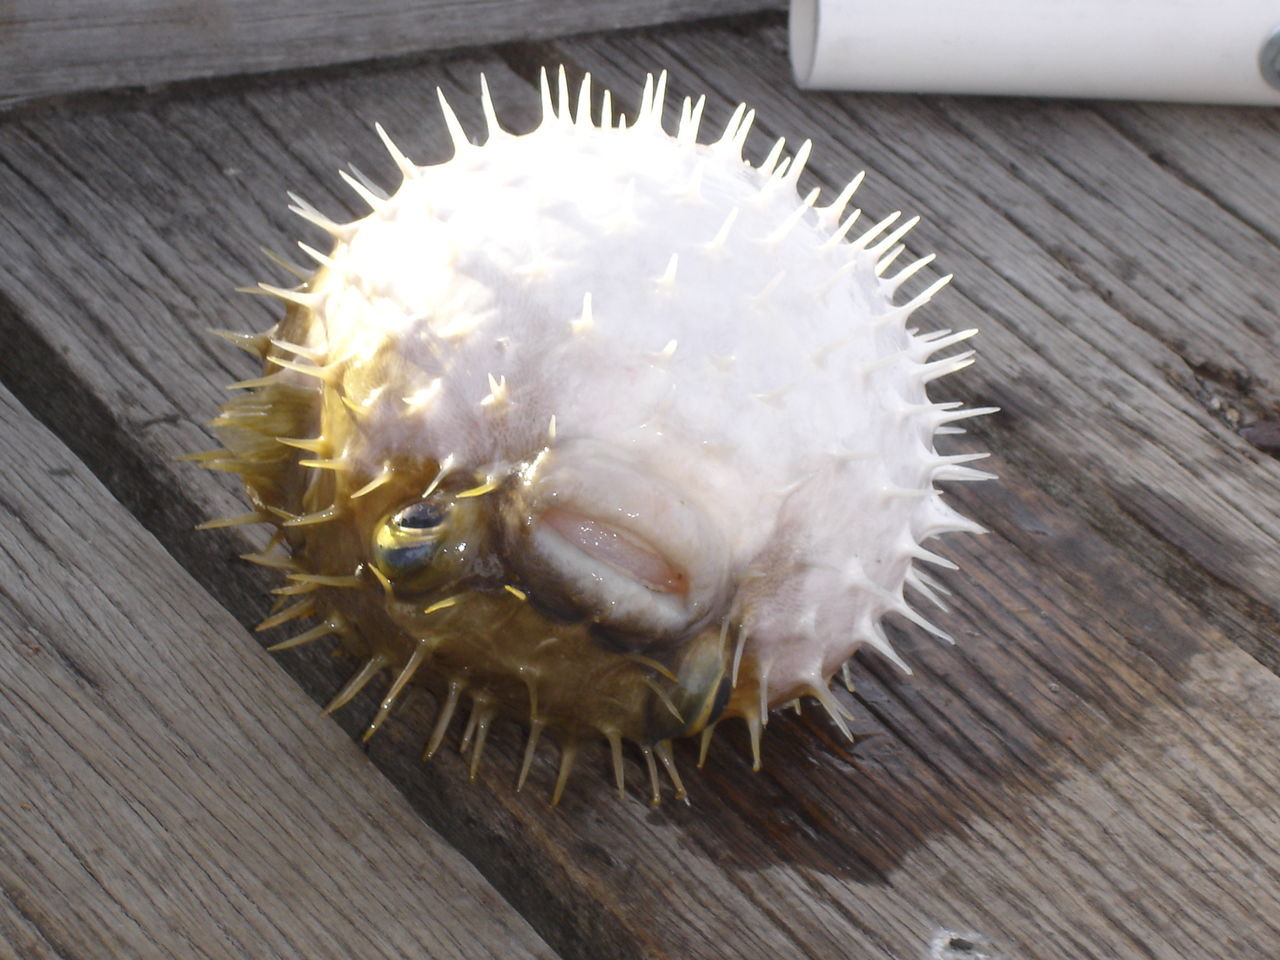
{"x": 1090, "y": 772}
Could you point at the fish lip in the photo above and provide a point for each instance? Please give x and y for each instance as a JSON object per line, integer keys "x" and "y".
{"x": 600, "y": 483}
{"x": 624, "y": 550}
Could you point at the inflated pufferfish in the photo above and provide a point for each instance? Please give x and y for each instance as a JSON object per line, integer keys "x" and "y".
{"x": 599, "y": 428}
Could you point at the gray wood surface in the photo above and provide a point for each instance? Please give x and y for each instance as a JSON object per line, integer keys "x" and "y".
{"x": 1089, "y": 772}
{"x": 52, "y": 47}
{"x": 165, "y": 791}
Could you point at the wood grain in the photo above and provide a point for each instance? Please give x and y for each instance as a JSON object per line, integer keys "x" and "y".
{"x": 164, "y": 790}
{"x": 1089, "y": 772}
{"x": 69, "y": 46}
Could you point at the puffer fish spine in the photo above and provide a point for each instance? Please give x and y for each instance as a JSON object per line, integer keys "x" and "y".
{"x": 701, "y": 422}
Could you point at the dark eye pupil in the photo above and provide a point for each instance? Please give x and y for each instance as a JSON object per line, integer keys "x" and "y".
{"x": 420, "y": 516}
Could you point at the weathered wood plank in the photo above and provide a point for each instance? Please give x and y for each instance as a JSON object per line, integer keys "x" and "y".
{"x": 166, "y": 791}
{"x": 1097, "y": 738}
{"x": 71, "y": 46}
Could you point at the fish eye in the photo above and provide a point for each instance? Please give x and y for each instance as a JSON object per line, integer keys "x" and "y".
{"x": 423, "y": 515}
{"x": 406, "y": 541}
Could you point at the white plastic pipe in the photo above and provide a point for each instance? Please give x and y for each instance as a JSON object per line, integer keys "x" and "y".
{"x": 1206, "y": 51}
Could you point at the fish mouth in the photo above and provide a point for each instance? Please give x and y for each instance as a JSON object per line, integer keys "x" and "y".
{"x": 618, "y": 549}
{"x": 597, "y": 537}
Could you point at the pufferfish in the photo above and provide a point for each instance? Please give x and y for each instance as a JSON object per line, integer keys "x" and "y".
{"x": 600, "y": 429}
